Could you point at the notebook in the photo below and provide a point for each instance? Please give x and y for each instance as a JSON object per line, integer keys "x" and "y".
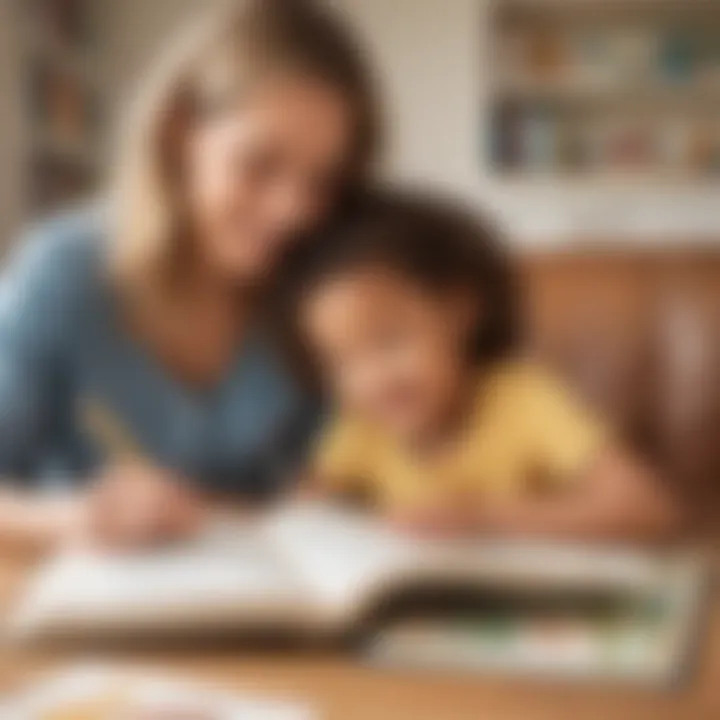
{"x": 327, "y": 571}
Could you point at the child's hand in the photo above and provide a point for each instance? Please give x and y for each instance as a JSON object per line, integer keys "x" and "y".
{"x": 445, "y": 520}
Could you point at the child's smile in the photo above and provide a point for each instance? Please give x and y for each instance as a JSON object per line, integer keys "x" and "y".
{"x": 392, "y": 350}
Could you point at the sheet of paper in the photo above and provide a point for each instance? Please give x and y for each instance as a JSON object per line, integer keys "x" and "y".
{"x": 97, "y": 693}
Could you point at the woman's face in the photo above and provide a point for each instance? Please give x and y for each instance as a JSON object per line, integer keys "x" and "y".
{"x": 259, "y": 175}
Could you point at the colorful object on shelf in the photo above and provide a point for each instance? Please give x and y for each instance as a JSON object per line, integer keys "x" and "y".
{"x": 611, "y": 92}
{"x": 63, "y": 100}
{"x": 546, "y": 54}
{"x": 677, "y": 58}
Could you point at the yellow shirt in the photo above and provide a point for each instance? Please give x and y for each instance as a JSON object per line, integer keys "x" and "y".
{"x": 525, "y": 432}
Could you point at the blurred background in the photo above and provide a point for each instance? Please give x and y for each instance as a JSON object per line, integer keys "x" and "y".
{"x": 588, "y": 127}
{"x": 572, "y": 119}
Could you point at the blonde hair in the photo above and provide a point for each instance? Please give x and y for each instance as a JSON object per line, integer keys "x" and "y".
{"x": 206, "y": 70}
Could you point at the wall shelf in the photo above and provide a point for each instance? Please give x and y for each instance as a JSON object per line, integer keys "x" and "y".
{"x": 61, "y": 90}
{"x": 586, "y": 88}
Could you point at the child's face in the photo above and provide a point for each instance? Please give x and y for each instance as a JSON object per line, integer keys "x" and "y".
{"x": 392, "y": 351}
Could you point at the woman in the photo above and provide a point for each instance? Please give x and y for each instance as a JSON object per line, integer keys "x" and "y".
{"x": 133, "y": 352}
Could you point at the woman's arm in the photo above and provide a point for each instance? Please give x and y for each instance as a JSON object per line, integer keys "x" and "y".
{"x": 36, "y": 307}
{"x": 43, "y": 293}
{"x": 127, "y": 506}
{"x": 30, "y": 523}
{"x": 42, "y": 301}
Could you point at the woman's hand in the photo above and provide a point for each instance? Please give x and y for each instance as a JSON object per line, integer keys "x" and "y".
{"x": 139, "y": 505}
{"x": 32, "y": 524}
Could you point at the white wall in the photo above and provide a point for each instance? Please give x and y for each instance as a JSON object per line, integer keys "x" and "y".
{"x": 432, "y": 58}
{"x": 428, "y": 62}
{"x": 135, "y": 31}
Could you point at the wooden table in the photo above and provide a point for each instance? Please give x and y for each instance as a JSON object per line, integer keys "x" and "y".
{"x": 341, "y": 689}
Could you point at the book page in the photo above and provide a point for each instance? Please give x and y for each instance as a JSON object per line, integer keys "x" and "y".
{"x": 340, "y": 556}
{"x": 616, "y": 635}
{"x": 538, "y": 563}
{"x": 345, "y": 557}
{"x": 230, "y": 568}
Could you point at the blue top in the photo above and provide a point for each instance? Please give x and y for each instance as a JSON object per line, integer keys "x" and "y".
{"x": 65, "y": 360}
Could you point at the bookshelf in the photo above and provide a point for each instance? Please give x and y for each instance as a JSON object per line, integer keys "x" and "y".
{"x": 606, "y": 90}
{"x": 59, "y": 83}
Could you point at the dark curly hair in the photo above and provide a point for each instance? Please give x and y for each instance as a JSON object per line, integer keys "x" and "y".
{"x": 434, "y": 243}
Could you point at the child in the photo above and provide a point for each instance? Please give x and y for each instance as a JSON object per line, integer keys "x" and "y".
{"x": 408, "y": 312}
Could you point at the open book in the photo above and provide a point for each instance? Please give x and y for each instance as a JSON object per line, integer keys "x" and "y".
{"x": 312, "y": 568}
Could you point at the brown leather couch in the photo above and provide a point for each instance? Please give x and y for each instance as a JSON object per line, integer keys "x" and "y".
{"x": 638, "y": 334}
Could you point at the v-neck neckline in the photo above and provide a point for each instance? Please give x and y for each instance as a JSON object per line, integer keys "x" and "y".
{"x": 196, "y": 395}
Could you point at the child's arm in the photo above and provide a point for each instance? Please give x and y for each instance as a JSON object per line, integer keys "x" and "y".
{"x": 338, "y": 489}
{"x": 308, "y": 487}
{"x": 617, "y": 498}
{"x": 600, "y": 490}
